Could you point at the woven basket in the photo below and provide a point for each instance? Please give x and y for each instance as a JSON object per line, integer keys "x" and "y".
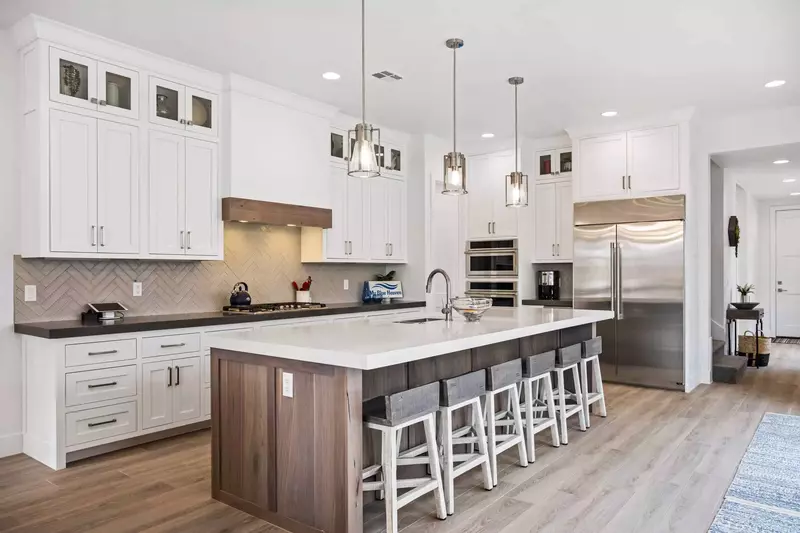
{"x": 747, "y": 343}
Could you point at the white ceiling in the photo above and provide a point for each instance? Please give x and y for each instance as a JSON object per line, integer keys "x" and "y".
{"x": 578, "y": 57}
{"x": 755, "y": 171}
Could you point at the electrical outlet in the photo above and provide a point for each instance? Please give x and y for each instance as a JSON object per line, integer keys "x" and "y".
{"x": 346, "y": 284}
{"x": 137, "y": 288}
{"x": 30, "y": 293}
{"x": 288, "y": 385}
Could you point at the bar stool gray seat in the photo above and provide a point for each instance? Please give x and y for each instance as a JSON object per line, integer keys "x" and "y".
{"x": 463, "y": 392}
{"x": 389, "y": 415}
{"x": 539, "y": 405}
{"x": 590, "y": 354}
{"x": 568, "y": 403}
{"x": 501, "y": 378}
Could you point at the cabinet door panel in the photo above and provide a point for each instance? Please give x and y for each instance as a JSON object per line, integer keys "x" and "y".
{"x": 545, "y": 222}
{"x": 186, "y": 389}
{"x": 378, "y": 226}
{"x": 167, "y": 105}
{"x": 336, "y": 236}
{"x": 118, "y": 188}
{"x": 202, "y": 198}
{"x": 157, "y": 394}
{"x": 167, "y": 193}
{"x": 563, "y": 201}
{"x": 201, "y": 112}
{"x": 653, "y": 164}
{"x": 602, "y": 167}
{"x": 73, "y": 79}
{"x": 479, "y": 185}
{"x": 396, "y": 219}
{"x": 504, "y": 218}
{"x": 118, "y": 90}
{"x": 357, "y": 218}
{"x": 73, "y": 182}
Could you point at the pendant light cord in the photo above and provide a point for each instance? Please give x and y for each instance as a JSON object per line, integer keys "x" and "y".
{"x": 454, "y": 99}
{"x": 363, "y": 65}
{"x": 516, "y": 131}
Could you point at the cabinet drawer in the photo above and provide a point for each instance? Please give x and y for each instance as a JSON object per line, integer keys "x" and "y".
{"x": 99, "y": 385}
{"x": 101, "y": 423}
{"x": 100, "y": 352}
{"x": 207, "y": 402}
{"x": 170, "y": 345}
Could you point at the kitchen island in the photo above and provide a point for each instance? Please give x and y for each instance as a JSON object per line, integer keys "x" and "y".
{"x": 287, "y": 439}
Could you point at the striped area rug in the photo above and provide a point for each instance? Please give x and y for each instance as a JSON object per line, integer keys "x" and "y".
{"x": 786, "y": 340}
{"x": 764, "y": 496}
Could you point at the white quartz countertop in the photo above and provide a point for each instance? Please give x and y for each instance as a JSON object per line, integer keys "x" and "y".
{"x": 369, "y": 343}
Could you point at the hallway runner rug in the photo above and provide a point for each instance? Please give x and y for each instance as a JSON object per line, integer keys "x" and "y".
{"x": 786, "y": 340}
{"x": 764, "y": 496}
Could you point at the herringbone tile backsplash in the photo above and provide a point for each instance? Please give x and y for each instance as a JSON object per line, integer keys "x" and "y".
{"x": 267, "y": 258}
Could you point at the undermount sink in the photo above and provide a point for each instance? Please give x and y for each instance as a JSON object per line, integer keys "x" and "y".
{"x": 419, "y": 320}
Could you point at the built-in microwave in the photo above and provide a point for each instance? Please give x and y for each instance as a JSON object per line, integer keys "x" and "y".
{"x": 502, "y": 292}
{"x": 492, "y": 258}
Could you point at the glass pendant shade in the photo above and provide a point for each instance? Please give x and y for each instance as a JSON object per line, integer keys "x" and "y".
{"x": 455, "y": 173}
{"x": 363, "y": 162}
{"x": 517, "y": 190}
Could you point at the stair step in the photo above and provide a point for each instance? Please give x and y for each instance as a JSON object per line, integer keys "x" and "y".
{"x": 728, "y": 368}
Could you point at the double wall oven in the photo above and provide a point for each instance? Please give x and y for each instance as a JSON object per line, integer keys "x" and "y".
{"x": 492, "y": 270}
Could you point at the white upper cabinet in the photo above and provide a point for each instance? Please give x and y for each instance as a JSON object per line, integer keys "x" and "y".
{"x": 488, "y": 216}
{"x": 202, "y": 198}
{"x": 84, "y": 82}
{"x": 387, "y": 206}
{"x": 653, "y": 160}
{"x": 552, "y": 164}
{"x": 553, "y": 222}
{"x": 357, "y": 218}
{"x": 634, "y": 164}
{"x": 336, "y": 237}
{"x": 178, "y": 106}
{"x": 117, "y": 188}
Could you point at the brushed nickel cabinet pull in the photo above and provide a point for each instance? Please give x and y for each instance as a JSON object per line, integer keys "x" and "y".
{"x": 102, "y": 235}
{"x": 94, "y": 235}
{"x": 188, "y": 240}
{"x": 106, "y": 352}
{"x": 95, "y": 424}
{"x": 178, "y": 345}
{"x": 183, "y": 247}
{"x": 98, "y": 385}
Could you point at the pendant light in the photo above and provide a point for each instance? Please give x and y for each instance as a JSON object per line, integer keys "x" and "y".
{"x": 363, "y": 163}
{"x": 455, "y": 164}
{"x": 516, "y": 182}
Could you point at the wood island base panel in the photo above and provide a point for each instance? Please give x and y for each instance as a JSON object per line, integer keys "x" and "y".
{"x": 287, "y": 438}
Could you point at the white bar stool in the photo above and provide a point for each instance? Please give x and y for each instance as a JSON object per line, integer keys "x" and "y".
{"x": 389, "y": 415}
{"x": 501, "y": 378}
{"x": 458, "y": 393}
{"x": 539, "y": 404}
{"x": 567, "y": 359}
{"x": 590, "y": 354}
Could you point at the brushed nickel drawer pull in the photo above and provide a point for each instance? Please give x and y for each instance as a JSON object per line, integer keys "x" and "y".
{"x": 178, "y": 345}
{"x": 106, "y": 352}
{"x": 109, "y": 384}
{"x": 95, "y": 424}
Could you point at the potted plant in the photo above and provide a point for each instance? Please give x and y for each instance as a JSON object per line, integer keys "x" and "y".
{"x": 745, "y": 291}
{"x": 302, "y": 292}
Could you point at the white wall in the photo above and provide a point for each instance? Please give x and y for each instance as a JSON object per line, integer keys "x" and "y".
{"x": 413, "y": 274}
{"x": 11, "y": 373}
{"x": 710, "y": 136}
{"x": 719, "y": 239}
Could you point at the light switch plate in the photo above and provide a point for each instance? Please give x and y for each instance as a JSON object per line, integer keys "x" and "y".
{"x": 346, "y": 284}
{"x": 30, "y": 293}
{"x": 137, "y": 288}
{"x": 288, "y": 385}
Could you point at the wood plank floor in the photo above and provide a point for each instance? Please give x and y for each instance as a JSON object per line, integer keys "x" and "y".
{"x": 661, "y": 461}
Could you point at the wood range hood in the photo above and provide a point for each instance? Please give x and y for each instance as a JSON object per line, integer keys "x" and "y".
{"x": 275, "y": 214}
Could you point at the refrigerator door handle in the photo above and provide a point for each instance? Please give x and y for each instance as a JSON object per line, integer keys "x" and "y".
{"x": 620, "y": 308}
{"x": 613, "y": 276}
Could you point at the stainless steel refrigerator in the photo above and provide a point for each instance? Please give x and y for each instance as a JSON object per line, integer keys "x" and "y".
{"x": 629, "y": 258}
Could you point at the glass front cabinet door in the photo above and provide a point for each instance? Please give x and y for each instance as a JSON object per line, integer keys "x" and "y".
{"x": 339, "y": 149}
{"x": 393, "y": 160}
{"x": 554, "y": 163}
{"x": 201, "y": 109}
{"x": 118, "y": 90}
{"x": 167, "y": 103}
{"x": 73, "y": 79}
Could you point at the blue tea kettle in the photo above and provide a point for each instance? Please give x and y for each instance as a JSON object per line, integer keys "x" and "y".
{"x": 239, "y": 295}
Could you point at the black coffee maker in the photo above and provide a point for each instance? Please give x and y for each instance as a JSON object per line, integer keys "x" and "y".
{"x": 549, "y": 284}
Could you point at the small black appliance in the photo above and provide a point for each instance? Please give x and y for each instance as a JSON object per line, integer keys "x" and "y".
{"x": 239, "y": 295}
{"x": 549, "y": 284}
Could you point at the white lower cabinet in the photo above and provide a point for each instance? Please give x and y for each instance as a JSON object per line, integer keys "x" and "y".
{"x": 170, "y": 391}
{"x": 207, "y": 401}
{"x": 100, "y": 423}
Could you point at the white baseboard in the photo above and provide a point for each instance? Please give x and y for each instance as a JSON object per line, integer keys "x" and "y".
{"x": 10, "y": 444}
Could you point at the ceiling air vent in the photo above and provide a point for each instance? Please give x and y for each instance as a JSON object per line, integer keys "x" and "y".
{"x": 387, "y": 75}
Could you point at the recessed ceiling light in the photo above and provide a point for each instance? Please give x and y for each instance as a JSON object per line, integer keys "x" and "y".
{"x": 609, "y": 113}
{"x": 331, "y": 76}
{"x": 780, "y": 161}
{"x": 774, "y": 83}
{"x": 291, "y": 225}
{"x": 794, "y": 194}
{"x": 789, "y": 180}
{"x": 487, "y": 135}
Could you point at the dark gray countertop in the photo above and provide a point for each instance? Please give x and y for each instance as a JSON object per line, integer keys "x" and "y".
{"x": 64, "y": 329}
{"x": 549, "y": 303}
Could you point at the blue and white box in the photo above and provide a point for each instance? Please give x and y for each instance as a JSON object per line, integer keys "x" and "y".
{"x": 377, "y": 291}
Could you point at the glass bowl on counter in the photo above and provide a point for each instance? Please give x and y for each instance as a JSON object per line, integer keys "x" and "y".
{"x": 471, "y": 308}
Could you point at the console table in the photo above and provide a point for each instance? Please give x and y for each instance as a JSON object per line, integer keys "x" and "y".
{"x": 733, "y": 315}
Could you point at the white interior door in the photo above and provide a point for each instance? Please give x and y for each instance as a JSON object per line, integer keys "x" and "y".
{"x": 202, "y": 198}
{"x": 73, "y": 182}
{"x": 186, "y": 388}
{"x": 564, "y": 221}
{"x": 602, "y": 167}
{"x": 787, "y": 273}
{"x": 545, "y": 222}
{"x": 117, "y": 188}
{"x": 167, "y": 193}
{"x": 157, "y": 383}
{"x": 653, "y": 160}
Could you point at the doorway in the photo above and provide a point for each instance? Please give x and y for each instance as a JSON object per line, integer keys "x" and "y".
{"x": 787, "y": 272}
